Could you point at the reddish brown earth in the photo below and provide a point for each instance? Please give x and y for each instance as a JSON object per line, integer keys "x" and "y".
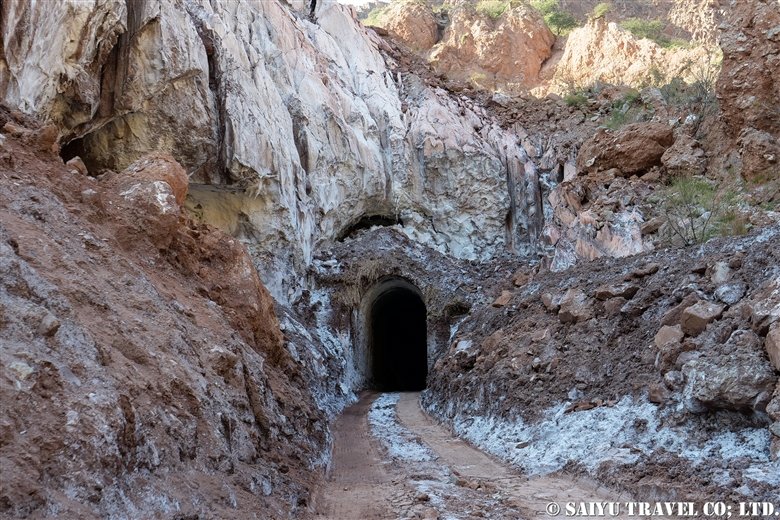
{"x": 143, "y": 369}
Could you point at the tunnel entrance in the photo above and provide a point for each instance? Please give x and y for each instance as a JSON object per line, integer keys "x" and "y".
{"x": 397, "y": 337}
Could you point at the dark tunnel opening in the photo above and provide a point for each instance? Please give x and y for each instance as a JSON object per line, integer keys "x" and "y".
{"x": 398, "y": 341}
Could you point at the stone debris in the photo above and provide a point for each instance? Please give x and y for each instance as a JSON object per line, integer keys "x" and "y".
{"x": 695, "y": 318}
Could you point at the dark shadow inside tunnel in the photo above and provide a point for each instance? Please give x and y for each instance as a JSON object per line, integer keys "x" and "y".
{"x": 398, "y": 339}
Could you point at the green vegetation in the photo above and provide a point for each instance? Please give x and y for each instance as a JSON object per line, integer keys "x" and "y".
{"x": 696, "y": 210}
{"x": 558, "y": 20}
{"x": 492, "y": 8}
{"x": 443, "y": 9}
{"x": 600, "y": 10}
{"x": 632, "y": 96}
{"x": 576, "y": 99}
{"x": 733, "y": 223}
{"x": 374, "y": 17}
{"x": 624, "y": 110}
{"x": 478, "y": 79}
{"x": 616, "y": 119}
{"x": 697, "y": 94}
{"x": 650, "y": 29}
{"x": 653, "y": 30}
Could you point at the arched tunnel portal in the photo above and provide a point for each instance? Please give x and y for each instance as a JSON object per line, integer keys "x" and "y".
{"x": 396, "y": 336}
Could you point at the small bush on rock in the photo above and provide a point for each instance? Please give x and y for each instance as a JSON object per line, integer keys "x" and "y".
{"x": 696, "y": 210}
{"x": 558, "y": 20}
{"x": 492, "y": 8}
{"x": 576, "y": 99}
{"x": 600, "y": 10}
{"x": 375, "y": 16}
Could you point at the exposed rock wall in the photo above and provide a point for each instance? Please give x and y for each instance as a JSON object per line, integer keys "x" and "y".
{"x": 602, "y": 51}
{"x": 298, "y": 120}
{"x": 484, "y": 50}
{"x": 749, "y": 88}
{"x": 143, "y": 372}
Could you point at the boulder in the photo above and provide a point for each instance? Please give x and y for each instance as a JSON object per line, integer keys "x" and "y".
{"x": 740, "y": 379}
{"x": 633, "y": 149}
{"x": 673, "y": 315}
{"x": 760, "y": 155}
{"x": 552, "y": 302}
{"x": 684, "y": 158}
{"x": 668, "y": 334}
{"x": 623, "y": 290}
{"x": 146, "y": 199}
{"x": 503, "y": 300}
{"x": 575, "y": 307}
{"x": 764, "y": 307}
{"x": 658, "y": 394}
{"x": 773, "y": 408}
{"x": 76, "y": 165}
{"x": 731, "y": 293}
{"x": 720, "y": 273}
{"x": 696, "y": 317}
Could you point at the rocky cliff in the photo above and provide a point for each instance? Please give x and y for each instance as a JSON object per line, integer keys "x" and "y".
{"x": 191, "y": 192}
{"x": 144, "y": 372}
{"x": 477, "y": 42}
{"x": 748, "y": 88}
{"x": 290, "y": 112}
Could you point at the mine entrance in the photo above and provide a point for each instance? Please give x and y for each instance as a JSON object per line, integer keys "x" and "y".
{"x": 397, "y": 339}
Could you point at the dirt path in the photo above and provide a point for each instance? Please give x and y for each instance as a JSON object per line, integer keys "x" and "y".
{"x": 391, "y": 461}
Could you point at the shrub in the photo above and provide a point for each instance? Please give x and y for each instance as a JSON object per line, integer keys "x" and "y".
{"x": 556, "y": 19}
{"x": 649, "y": 29}
{"x": 561, "y": 22}
{"x": 478, "y": 79}
{"x": 443, "y": 9}
{"x": 576, "y": 99}
{"x": 375, "y": 15}
{"x": 600, "y": 10}
{"x": 632, "y": 96}
{"x": 696, "y": 210}
{"x": 491, "y": 8}
{"x": 698, "y": 96}
{"x": 617, "y": 118}
{"x": 733, "y": 223}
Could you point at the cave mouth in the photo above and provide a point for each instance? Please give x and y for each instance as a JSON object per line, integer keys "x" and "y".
{"x": 397, "y": 335}
{"x": 367, "y": 222}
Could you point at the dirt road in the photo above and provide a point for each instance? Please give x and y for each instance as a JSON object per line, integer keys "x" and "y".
{"x": 391, "y": 461}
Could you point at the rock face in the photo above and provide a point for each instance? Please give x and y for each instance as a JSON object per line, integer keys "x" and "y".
{"x": 772, "y": 346}
{"x": 297, "y": 122}
{"x": 602, "y": 51}
{"x": 594, "y": 216}
{"x": 738, "y": 379}
{"x": 633, "y": 149}
{"x": 412, "y": 23}
{"x": 684, "y": 158}
{"x": 506, "y": 52}
{"x": 140, "y": 351}
{"x": 748, "y": 87}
